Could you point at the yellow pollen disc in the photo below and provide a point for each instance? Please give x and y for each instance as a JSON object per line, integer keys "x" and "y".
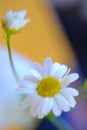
{"x": 48, "y": 87}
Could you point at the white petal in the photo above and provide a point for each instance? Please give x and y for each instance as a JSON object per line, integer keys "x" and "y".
{"x": 36, "y": 74}
{"x": 70, "y": 91}
{"x": 27, "y": 83}
{"x": 56, "y": 109}
{"x": 25, "y": 90}
{"x": 45, "y": 107}
{"x": 39, "y": 108}
{"x": 8, "y": 15}
{"x": 21, "y": 14}
{"x": 31, "y": 79}
{"x": 54, "y": 68}
{"x": 67, "y": 73}
{"x": 69, "y": 79}
{"x": 38, "y": 67}
{"x": 47, "y": 66}
{"x": 62, "y": 102}
{"x": 24, "y": 22}
{"x": 61, "y": 71}
{"x": 27, "y": 102}
{"x": 70, "y": 99}
{"x": 13, "y": 24}
{"x": 34, "y": 105}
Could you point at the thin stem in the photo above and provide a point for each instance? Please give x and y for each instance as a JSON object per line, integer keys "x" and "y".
{"x": 56, "y": 124}
{"x": 10, "y": 57}
{"x": 60, "y": 123}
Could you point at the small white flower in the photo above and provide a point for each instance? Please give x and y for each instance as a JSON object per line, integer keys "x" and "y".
{"x": 14, "y": 22}
{"x": 47, "y": 89}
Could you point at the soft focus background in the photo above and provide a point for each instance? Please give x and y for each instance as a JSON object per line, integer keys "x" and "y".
{"x": 57, "y": 29}
{"x": 42, "y": 37}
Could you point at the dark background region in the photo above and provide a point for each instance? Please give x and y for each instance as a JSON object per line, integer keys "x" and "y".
{"x": 46, "y": 125}
{"x": 75, "y": 27}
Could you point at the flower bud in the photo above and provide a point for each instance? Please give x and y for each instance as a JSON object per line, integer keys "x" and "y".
{"x": 14, "y": 22}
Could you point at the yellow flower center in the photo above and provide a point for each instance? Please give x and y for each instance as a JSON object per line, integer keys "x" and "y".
{"x": 48, "y": 87}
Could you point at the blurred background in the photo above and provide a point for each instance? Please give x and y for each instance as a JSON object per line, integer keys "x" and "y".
{"x": 58, "y": 30}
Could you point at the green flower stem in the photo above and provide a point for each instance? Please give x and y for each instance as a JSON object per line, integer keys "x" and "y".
{"x": 10, "y": 57}
{"x": 60, "y": 123}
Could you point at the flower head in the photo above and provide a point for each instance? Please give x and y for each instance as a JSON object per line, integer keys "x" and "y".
{"x": 14, "y": 22}
{"x": 47, "y": 89}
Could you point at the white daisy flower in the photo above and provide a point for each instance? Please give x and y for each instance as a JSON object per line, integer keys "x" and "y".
{"x": 14, "y": 22}
{"x": 47, "y": 89}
